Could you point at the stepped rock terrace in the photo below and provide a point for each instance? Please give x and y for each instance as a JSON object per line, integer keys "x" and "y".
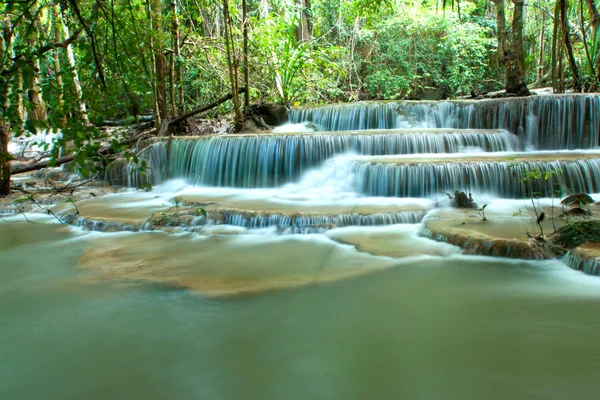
{"x": 137, "y": 212}
{"x": 543, "y": 122}
{"x": 493, "y": 173}
{"x": 267, "y": 160}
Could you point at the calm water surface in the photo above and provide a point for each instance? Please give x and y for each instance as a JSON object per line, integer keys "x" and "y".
{"x": 428, "y": 328}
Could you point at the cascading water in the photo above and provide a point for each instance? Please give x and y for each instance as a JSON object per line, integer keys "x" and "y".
{"x": 132, "y": 174}
{"x": 387, "y": 150}
{"x": 273, "y": 160}
{"x": 501, "y": 178}
{"x": 579, "y": 261}
{"x": 541, "y": 122}
{"x": 298, "y": 223}
{"x": 346, "y": 117}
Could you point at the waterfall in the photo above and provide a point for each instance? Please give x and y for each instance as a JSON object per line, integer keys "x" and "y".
{"x": 307, "y": 223}
{"x": 580, "y": 261}
{"x": 273, "y": 160}
{"x": 348, "y": 117}
{"x": 542, "y": 122}
{"x": 129, "y": 174}
{"x": 501, "y": 178}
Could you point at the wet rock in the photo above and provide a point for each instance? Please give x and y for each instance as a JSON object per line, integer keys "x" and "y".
{"x": 462, "y": 200}
{"x": 55, "y": 174}
{"x": 271, "y": 114}
{"x": 531, "y": 249}
{"x": 178, "y": 218}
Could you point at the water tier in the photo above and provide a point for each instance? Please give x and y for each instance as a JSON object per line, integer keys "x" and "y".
{"x": 269, "y": 160}
{"x": 498, "y": 174}
{"x": 318, "y": 223}
{"x": 542, "y": 122}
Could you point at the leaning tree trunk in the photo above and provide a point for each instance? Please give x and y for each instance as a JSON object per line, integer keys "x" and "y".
{"x": 595, "y": 17}
{"x": 514, "y": 60}
{"x": 567, "y": 41}
{"x": 594, "y": 14}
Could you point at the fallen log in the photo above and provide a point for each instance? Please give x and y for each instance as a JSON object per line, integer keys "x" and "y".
{"x": 207, "y": 107}
{"x": 105, "y": 150}
{"x": 128, "y": 121}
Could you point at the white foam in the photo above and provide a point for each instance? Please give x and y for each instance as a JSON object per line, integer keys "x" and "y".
{"x": 304, "y": 127}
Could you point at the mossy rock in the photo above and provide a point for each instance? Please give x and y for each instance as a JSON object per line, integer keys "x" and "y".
{"x": 573, "y": 235}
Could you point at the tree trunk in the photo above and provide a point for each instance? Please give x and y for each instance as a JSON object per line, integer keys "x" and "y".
{"x": 540, "y": 66}
{"x": 75, "y": 75}
{"x": 37, "y": 106}
{"x": 57, "y": 70}
{"x": 514, "y": 59}
{"x": 567, "y": 41}
{"x": 173, "y": 58}
{"x": 4, "y": 155}
{"x": 245, "y": 34}
{"x": 17, "y": 90}
{"x": 37, "y": 111}
{"x": 555, "y": 48}
{"x": 594, "y": 14}
{"x": 304, "y": 30}
{"x": 159, "y": 61}
{"x": 4, "y": 160}
{"x": 501, "y": 28}
{"x": 594, "y": 86}
{"x": 179, "y": 100}
{"x": 232, "y": 65}
{"x": 595, "y": 17}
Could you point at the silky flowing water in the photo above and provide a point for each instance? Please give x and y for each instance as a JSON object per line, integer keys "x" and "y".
{"x": 427, "y": 327}
{"x": 310, "y": 278}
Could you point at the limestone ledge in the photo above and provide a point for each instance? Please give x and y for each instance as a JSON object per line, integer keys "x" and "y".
{"x": 194, "y": 213}
{"x": 585, "y": 258}
{"x": 465, "y": 158}
{"x": 502, "y": 237}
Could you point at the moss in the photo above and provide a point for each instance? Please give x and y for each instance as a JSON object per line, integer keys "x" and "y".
{"x": 571, "y": 236}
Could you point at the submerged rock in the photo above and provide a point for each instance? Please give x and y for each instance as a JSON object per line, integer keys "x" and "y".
{"x": 225, "y": 265}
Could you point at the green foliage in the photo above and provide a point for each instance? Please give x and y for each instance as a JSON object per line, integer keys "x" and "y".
{"x": 573, "y": 235}
{"x": 291, "y": 71}
{"x": 417, "y": 52}
{"x": 481, "y": 213}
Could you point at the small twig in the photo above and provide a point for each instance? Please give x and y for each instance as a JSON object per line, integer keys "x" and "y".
{"x": 27, "y": 219}
{"x": 80, "y": 183}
